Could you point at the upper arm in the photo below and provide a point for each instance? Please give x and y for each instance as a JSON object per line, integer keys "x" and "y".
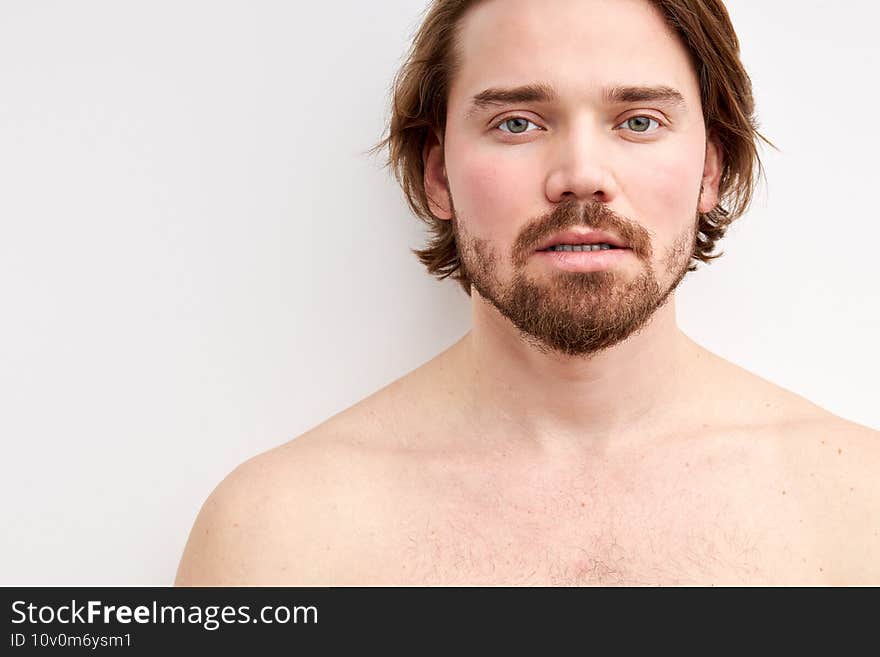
{"x": 257, "y": 527}
{"x": 219, "y": 549}
{"x": 849, "y": 491}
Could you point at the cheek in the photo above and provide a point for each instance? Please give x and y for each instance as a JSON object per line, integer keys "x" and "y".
{"x": 666, "y": 193}
{"x": 491, "y": 192}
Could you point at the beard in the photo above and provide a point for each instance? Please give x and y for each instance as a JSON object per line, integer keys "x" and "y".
{"x": 568, "y": 312}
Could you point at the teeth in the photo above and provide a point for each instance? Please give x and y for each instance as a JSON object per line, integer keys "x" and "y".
{"x": 581, "y": 247}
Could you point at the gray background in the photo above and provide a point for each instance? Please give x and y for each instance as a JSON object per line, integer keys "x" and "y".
{"x": 198, "y": 262}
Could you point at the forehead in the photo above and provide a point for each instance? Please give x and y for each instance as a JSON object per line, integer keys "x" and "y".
{"x": 576, "y": 46}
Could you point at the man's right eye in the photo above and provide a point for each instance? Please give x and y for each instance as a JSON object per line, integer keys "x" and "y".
{"x": 516, "y": 125}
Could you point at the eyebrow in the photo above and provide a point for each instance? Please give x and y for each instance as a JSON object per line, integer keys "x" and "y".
{"x": 543, "y": 93}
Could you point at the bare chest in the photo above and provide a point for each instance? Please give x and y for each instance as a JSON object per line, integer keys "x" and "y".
{"x": 670, "y": 534}
{"x": 584, "y": 554}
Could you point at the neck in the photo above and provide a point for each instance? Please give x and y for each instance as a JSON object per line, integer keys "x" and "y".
{"x": 624, "y": 392}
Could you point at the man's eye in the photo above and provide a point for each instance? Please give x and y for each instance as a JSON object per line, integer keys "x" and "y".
{"x": 515, "y": 125}
{"x": 640, "y": 124}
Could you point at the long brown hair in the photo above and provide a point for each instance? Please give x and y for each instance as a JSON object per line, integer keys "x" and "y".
{"x": 419, "y": 96}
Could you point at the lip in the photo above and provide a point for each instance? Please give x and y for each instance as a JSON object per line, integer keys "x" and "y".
{"x": 582, "y": 237}
{"x": 584, "y": 261}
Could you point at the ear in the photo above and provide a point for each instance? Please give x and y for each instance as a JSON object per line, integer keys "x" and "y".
{"x": 436, "y": 182}
{"x": 711, "y": 176}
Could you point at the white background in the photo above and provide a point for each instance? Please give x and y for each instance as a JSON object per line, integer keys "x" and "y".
{"x": 198, "y": 262}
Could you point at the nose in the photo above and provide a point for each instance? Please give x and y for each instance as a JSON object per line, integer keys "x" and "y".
{"x": 579, "y": 168}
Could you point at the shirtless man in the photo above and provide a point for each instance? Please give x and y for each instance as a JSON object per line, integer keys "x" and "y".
{"x": 574, "y": 435}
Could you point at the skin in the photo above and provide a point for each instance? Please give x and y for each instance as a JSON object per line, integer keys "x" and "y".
{"x": 575, "y": 435}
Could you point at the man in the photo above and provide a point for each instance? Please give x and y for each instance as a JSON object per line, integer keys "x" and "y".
{"x": 575, "y": 435}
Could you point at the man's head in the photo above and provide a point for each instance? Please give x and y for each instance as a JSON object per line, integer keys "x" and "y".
{"x": 515, "y": 120}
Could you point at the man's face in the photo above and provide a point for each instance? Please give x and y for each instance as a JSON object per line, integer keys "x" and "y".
{"x": 518, "y": 171}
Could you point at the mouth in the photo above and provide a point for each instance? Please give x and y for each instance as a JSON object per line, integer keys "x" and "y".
{"x": 578, "y": 240}
{"x": 601, "y": 246}
{"x": 583, "y": 257}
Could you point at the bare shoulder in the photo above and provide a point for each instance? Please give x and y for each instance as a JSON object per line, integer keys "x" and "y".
{"x": 834, "y": 462}
{"x": 287, "y": 516}
{"x": 829, "y": 465}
